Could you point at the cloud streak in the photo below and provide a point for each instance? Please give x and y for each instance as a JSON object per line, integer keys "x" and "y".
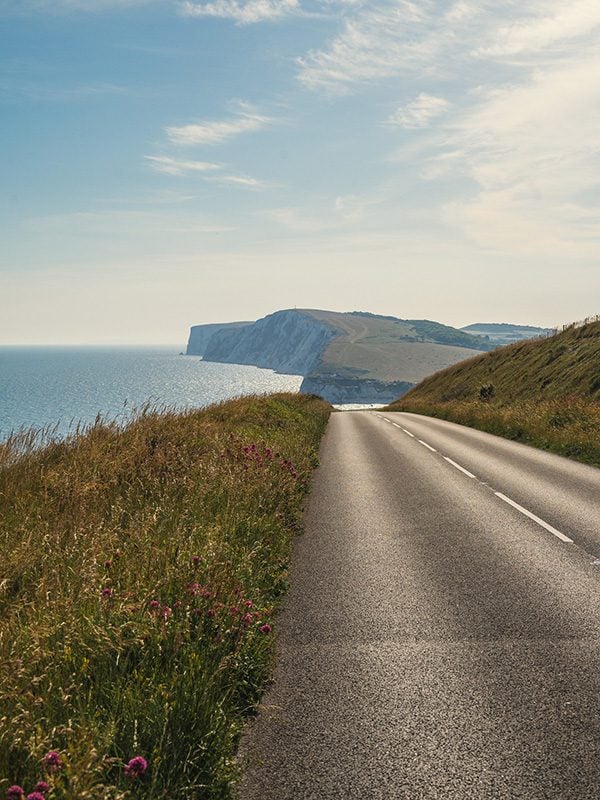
{"x": 173, "y": 166}
{"x": 419, "y": 113}
{"x": 243, "y": 13}
{"x": 246, "y": 120}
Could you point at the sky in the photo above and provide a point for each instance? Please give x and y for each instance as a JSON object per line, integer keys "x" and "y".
{"x": 176, "y": 162}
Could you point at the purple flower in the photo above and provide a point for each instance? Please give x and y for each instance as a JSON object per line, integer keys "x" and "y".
{"x": 136, "y": 767}
{"x": 52, "y": 761}
{"x": 166, "y": 613}
{"x": 247, "y": 619}
{"x": 14, "y": 793}
{"x": 154, "y": 605}
{"x": 35, "y": 796}
{"x": 266, "y": 628}
{"x": 42, "y": 787}
{"x": 107, "y": 564}
{"x": 107, "y": 593}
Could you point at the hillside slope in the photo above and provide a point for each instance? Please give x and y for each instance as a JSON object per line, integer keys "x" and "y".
{"x": 345, "y": 357}
{"x": 542, "y": 391}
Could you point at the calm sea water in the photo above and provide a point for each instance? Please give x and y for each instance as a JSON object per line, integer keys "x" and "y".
{"x": 42, "y": 386}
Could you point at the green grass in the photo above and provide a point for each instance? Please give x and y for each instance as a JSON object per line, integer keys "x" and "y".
{"x": 545, "y": 392}
{"x": 139, "y": 569}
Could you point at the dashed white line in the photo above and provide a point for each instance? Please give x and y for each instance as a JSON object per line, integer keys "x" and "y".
{"x": 428, "y": 446}
{"x": 539, "y": 521}
{"x": 503, "y": 497}
{"x": 458, "y": 466}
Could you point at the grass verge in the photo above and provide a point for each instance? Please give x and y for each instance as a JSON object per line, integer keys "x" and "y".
{"x": 567, "y": 426}
{"x": 140, "y": 568}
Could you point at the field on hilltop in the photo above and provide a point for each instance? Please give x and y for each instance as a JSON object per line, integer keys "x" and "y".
{"x": 542, "y": 391}
{"x": 390, "y": 349}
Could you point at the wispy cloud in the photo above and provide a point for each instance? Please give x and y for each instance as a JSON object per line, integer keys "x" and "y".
{"x": 242, "y": 180}
{"x": 419, "y": 113}
{"x": 246, "y": 120}
{"x": 384, "y": 39}
{"x": 173, "y": 166}
{"x": 206, "y": 170}
{"x": 532, "y": 150}
{"x": 243, "y": 13}
{"x": 543, "y": 25}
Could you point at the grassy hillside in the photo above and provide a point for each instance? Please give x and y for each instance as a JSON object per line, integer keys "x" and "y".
{"x": 542, "y": 391}
{"x": 390, "y": 349}
{"x": 139, "y": 572}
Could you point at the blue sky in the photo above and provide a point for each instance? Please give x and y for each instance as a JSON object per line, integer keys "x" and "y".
{"x": 167, "y": 163}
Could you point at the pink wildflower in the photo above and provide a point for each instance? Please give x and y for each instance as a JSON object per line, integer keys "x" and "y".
{"x": 107, "y": 593}
{"x": 248, "y": 603}
{"x": 153, "y": 605}
{"x": 14, "y": 793}
{"x": 52, "y": 761}
{"x": 35, "y": 796}
{"x": 266, "y": 628}
{"x": 107, "y": 564}
{"x": 247, "y": 619}
{"x": 136, "y": 767}
{"x": 166, "y": 613}
{"x": 42, "y": 787}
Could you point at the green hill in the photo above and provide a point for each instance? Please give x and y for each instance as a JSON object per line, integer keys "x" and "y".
{"x": 542, "y": 391}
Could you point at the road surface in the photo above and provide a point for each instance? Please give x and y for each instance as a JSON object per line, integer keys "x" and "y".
{"x": 441, "y": 638}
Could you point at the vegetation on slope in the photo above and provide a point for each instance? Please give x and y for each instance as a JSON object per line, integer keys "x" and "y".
{"x": 140, "y": 568}
{"x": 543, "y": 391}
{"x": 371, "y": 346}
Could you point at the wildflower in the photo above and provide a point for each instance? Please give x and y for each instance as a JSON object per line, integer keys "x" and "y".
{"x": 196, "y": 560}
{"x": 35, "y": 796}
{"x": 248, "y": 603}
{"x": 107, "y": 564}
{"x": 52, "y": 761}
{"x": 153, "y": 605}
{"x": 247, "y": 619}
{"x": 166, "y": 613}
{"x": 42, "y": 787}
{"x": 136, "y": 767}
{"x": 266, "y": 628}
{"x": 234, "y": 611}
{"x": 193, "y": 588}
{"x": 14, "y": 793}
{"x": 107, "y": 593}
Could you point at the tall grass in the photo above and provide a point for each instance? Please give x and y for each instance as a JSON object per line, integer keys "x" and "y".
{"x": 568, "y": 426}
{"x": 139, "y": 572}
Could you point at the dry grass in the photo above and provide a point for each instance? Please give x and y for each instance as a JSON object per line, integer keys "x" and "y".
{"x": 139, "y": 574}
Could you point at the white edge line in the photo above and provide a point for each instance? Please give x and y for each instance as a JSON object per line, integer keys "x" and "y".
{"x": 428, "y": 446}
{"x": 539, "y": 521}
{"x": 409, "y": 433}
{"x": 458, "y": 466}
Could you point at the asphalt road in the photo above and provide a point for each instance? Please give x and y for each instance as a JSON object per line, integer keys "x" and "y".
{"x": 438, "y": 641}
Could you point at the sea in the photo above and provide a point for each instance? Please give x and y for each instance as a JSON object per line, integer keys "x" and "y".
{"x": 59, "y": 388}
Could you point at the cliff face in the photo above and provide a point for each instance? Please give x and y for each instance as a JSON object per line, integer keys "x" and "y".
{"x": 200, "y": 335}
{"x": 340, "y": 389}
{"x": 288, "y": 341}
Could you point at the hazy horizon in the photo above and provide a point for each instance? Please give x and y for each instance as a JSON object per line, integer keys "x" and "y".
{"x": 171, "y": 163}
